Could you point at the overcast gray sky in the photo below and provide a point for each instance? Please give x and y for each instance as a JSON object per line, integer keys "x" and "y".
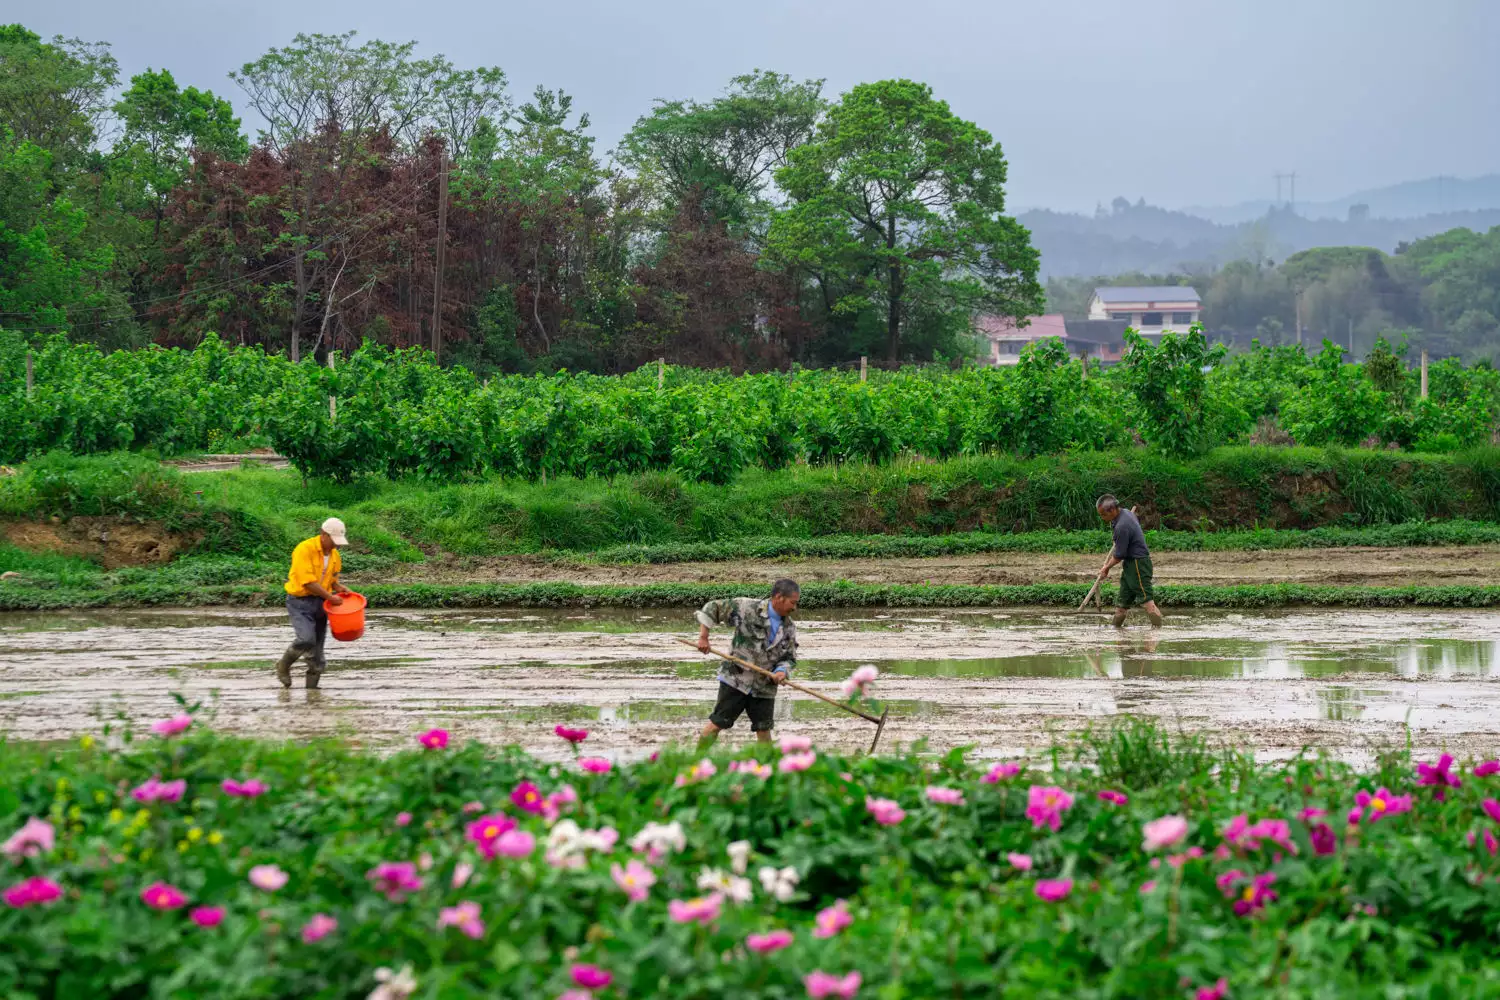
{"x": 1180, "y": 101}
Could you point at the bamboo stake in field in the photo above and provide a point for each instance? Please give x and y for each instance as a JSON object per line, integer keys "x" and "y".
{"x": 878, "y": 720}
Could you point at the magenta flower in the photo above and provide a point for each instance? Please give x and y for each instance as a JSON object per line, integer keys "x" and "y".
{"x": 320, "y": 926}
{"x": 1053, "y": 890}
{"x": 1491, "y": 809}
{"x": 1490, "y": 843}
{"x": 1382, "y": 803}
{"x": 832, "y": 920}
{"x": 33, "y": 892}
{"x": 1486, "y": 768}
{"x": 153, "y": 790}
{"x": 796, "y": 762}
{"x": 528, "y": 798}
{"x": 764, "y": 944}
{"x": 1045, "y": 805}
{"x": 268, "y": 878}
{"x": 207, "y": 916}
{"x": 795, "y": 744}
{"x": 1227, "y": 880}
{"x": 485, "y": 830}
{"x": 572, "y": 735}
{"x": 403, "y": 819}
{"x": 1001, "y": 771}
{"x": 395, "y": 879}
{"x": 885, "y": 811}
{"x": 243, "y": 789}
{"x": 702, "y": 910}
{"x": 824, "y": 984}
{"x": 1218, "y": 991}
{"x": 35, "y": 837}
{"x": 575, "y": 995}
{"x": 515, "y": 844}
{"x": 161, "y": 896}
{"x": 434, "y": 739}
{"x": 635, "y": 879}
{"x": 1439, "y": 775}
{"x": 1323, "y": 840}
{"x": 1020, "y": 862}
{"x": 591, "y": 977}
{"x": 1277, "y": 831}
{"x": 1256, "y": 895}
{"x": 1309, "y": 814}
{"x": 595, "y": 765}
{"x": 1235, "y": 832}
{"x": 1113, "y": 797}
{"x": 945, "y": 796}
{"x": 1168, "y": 831}
{"x": 464, "y": 916}
{"x": 172, "y": 726}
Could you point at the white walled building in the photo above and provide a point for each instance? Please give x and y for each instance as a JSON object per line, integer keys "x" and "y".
{"x": 1150, "y": 310}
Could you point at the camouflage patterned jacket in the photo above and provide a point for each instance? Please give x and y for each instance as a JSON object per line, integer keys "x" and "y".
{"x": 751, "y": 623}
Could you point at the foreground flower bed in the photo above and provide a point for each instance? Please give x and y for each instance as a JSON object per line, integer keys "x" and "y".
{"x": 189, "y": 864}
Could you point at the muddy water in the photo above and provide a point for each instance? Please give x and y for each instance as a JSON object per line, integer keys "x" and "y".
{"x": 1003, "y": 680}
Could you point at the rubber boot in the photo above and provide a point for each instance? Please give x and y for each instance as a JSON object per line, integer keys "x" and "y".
{"x": 1118, "y": 619}
{"x": 1156, "y": 619}
{"x": 284, "y": 666}
{"x": 314, "y": 674}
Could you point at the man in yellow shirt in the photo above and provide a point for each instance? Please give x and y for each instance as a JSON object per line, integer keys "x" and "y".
{"x": 313, "y": 579}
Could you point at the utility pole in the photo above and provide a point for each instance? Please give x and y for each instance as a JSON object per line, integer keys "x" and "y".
{"x": 863, "y": 362}
{"x": 1292, "y": 204}
{"x": 1424, "y": 373}
{"x": 437, "y": 279}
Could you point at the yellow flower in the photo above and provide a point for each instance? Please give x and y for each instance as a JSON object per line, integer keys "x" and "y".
{"x": 182, "y": 847}
{"x": 62, "y": 784}
{"x": 100, "y": 798}
{"x": 195, "y": 834}
{"x": 146, "y": 854}
{"x": 74, "y": 812}
{"x": 115, "y": 816}
{"x": 87, "y": 742}
{"x": 215, "y": 837}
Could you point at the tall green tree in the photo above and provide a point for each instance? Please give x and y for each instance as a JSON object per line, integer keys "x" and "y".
{"x": 905, "y": 200}
{"x": 54, "y": 94}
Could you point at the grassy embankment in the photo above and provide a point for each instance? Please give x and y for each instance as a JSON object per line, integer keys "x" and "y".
{"x": 233, "y": 529}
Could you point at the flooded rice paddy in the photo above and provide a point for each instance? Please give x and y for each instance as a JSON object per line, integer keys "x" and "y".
{"x": 1004, "y": 681}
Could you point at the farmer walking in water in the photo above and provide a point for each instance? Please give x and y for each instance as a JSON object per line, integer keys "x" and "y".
{"x": 765, "y": 635}
{"x": 1133, "y": 558}
{"x": 313, "y": 579}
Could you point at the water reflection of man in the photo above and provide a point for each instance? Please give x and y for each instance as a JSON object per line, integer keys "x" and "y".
{"x": 1130, "y": 553}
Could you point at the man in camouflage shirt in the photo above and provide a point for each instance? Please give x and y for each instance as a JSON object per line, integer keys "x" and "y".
{"x": 765, "y": 635}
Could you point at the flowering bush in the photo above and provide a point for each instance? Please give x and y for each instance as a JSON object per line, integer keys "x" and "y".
{"x": 1203, "y": 875}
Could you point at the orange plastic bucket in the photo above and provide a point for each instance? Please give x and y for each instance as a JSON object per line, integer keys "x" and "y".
{"x": 347, "y": 620}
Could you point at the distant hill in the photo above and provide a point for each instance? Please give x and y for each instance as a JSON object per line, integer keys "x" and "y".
{"x": 1407, "y": 200}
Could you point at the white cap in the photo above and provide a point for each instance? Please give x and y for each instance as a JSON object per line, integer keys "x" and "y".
{"x": 335, "y": 527}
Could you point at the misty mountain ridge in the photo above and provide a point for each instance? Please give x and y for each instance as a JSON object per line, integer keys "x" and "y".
{"x": 1406, "y": 200}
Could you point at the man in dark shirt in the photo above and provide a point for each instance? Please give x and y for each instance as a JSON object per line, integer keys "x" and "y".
{"x": 1131, "y": 554}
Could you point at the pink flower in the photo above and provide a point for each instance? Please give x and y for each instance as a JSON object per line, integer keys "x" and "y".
{"x": 572, "y": 735}
{"x": 1168, "y": 831}
{"x": 485, "y": 830}
{"x": 1486, "y": 768}
{"x": 243, "y": 789}
{"x": 36, "y": 836}
{"x": 464, "y": 916}
{"x": 1309, "y": 814}
{"x": 153, "y": 790}
{"x": 1277, "y": 831}
{"x": 575, "y": 995}
{"x": 461, "y": 873}
{"x": 1323, "y": 840}
{"x": 945, "y": 796}
{"x": 1255, "y": 895}
{"x": 754, "y": 768}
{"x": 1045, "y": 806}
{"x": 395, "y": 879}
{"x": 267, "y": 877}
{"x": 1491, "y": 809}
{"x": 595, "y": 765}
{"x": 1226, "y": 882}
{"x": 635, "y": 879}
{"x": 797, "y": 762}
{"x": 591, "y": 977}
{"x": 1382, "y": 803}
{"x": 320, "y": 926}
{"x": 1218, "y": 991}
{"x": 161, "y": 896}
{"x": 832, "y": 920}
{"x": 403, "y": 819}
{"x": 795, "y": 744}
{"x": 1020, "y": 862}
{"x": 885, "y": 811}
{"x": 470, "y": 808}
{"x": 1002, "y": 770}
{"x": 702, "y": 910}
{"x": 1235, "y": 831}
{"x": 701, "y": 771}
{"x": 515, "y": 844}
{"x": 1053, "y": 890}
{"x": 207, "y": 916}
{"x": 1440, "y": 775}
{"x": 764, "y": 944}
{"x": 32, "y": 892}
{"x": 1148, "y": 886}
{"x": 1114, "y": 797}
{"x": 528, "y": 798}
{"x": 172, "y": 726}
{"x": 824, "y": 984}
{"x": 434, "y": 739}
{"x": 1490, "y": 844}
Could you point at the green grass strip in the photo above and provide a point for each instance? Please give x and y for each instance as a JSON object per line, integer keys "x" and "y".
{"x": 815, "y": 595}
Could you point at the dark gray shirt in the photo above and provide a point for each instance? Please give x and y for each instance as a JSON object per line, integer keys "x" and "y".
{"x": 1130, "y": 540}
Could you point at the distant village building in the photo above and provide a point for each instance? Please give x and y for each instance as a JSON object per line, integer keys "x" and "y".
{"x": 1101, "y": 340}
{"x": 1150, "y": 310}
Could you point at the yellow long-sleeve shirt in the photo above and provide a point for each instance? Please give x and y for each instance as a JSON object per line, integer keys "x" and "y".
{"x": 307, "y": 567}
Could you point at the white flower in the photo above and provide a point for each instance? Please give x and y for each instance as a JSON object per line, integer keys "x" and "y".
{"x": 658, "y": 839}
{"x": 739, "y": 856}
{"x": 564, "y": 838}
{"x": 730, "y": 886}
{"x": 781, "y": 884}
{"x": 393, "y": 985}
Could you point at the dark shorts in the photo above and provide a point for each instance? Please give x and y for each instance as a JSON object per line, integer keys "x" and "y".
{"x": 1135, "y": 583}
{"x": 731, "y": 703}
{"x": 310, "y": 625}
